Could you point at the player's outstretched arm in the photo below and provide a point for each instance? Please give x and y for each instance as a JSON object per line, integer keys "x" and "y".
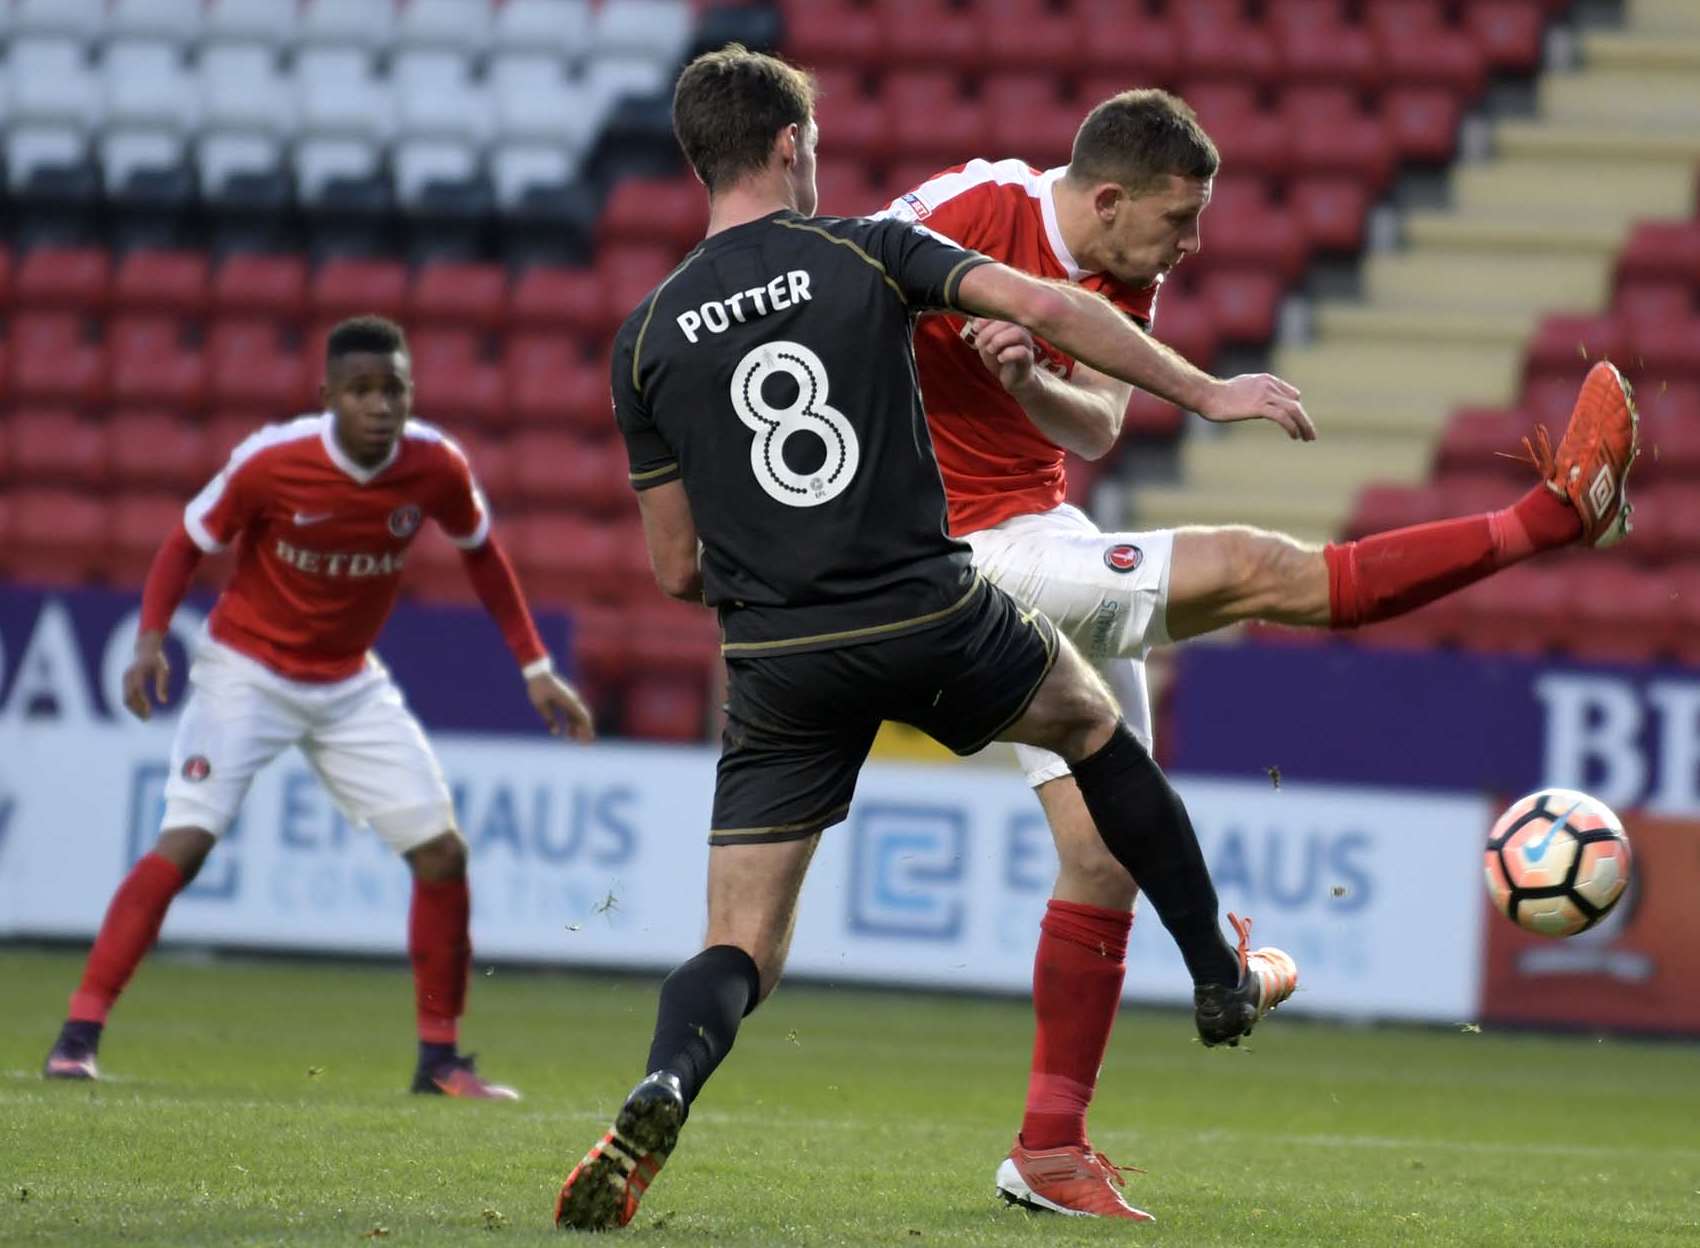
{"x": 1082, "y": 413}
{"x": 670, "y": 532}
{"x": 1089, "y": 328}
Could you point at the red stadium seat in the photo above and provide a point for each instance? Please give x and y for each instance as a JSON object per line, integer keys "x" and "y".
{"x": 1649, "y": 301}
{"x": 1509, "y": 32}
{"x": 152, "y": 367}
{"x": 551, "y": 386}
{"x": 1623, "y": 618}
{"x": 833, "y": 32}
{"x": 5, "y": 278}
{"x": 846, "y": 190}
{"x": 1187, "y": 326}
{"x": 472, "y": 391}
{"x": 659, "y": 709}
{"x": 1028, "y": 119}
{"x": 140, "y": 522}
{"x": 57, "y": 537}
{"x": 1150, "y": 417}
{"x": 1422, "y": 122}
{"x": 1379, "y": 507}
{"x": 1667, "y": 349}
{"x": 927, "y": 117}
{"x": 1682, "y": 615}
{"x": 52, "y": 362}
{"x": 1331, "y": 212}
{"x": 459, "y": 294}
{"x": 628, "y": 273}
{"x": 1476, "y": 437}
{"x": 257, "y": 285}
{"x": 567, "y": 559}
{"x": 1430, "y": 55}
{"x": 253, "y": 371}
{"x": 1243, "y": 304}
{"x": 1122, "y": 47}
{"x": 669, "y": 211}
{"x": 1327, "y": 53}
{"x": 53, "y": 446}
{"x": 70, "y": 278}
{"x": 492, "y": 461}
{"x": 1565, "y": 346}
{"x": 1234, "y": 51}
{"x": 850, "y": 121}
{"x": 1670, "y": 437}
{"x": 1331, "y": 137}
{"x": 1527, "y": 609}
{"x": 559, "y": 472}
{"x": 1307, "y": 15}
{"x": 1251, "y": 140}
{"x": 671, "y": 638}
{"x": 1243, "y": 230}
{"x": 1667, "y": 523}
{"x": 1661, "y": 251}
{"x": 932, "y": 33}
{"x": 154, "y": 450}
{"x": 1026, "y": 35}
{"x": 550, "y": 298}
{"x": 176, "y": 282}
{"x": 1548, "y": 401}
{"x": 344, "y": 287}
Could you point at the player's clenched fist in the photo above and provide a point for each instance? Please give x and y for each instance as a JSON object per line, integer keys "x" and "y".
{"x": 1259, "y": 396}
{"x": 150, "y": 666}
{"x": 1005, "y": 349}
{"x": 561, "y": 707}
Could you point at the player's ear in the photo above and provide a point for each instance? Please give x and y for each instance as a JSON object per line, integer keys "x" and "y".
{"x": 1107, "y": 200}
{"x": 789, "y": 141}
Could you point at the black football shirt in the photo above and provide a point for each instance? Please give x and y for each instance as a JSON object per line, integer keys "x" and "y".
{"x": 773, "y": 372}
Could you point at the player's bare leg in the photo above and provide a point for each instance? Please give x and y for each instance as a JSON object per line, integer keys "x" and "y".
{"x": 752, "y": 912}
{"x": 128, "y": 931}
{"x": 1222, "y": 576}
{"x": 439, "y": 944}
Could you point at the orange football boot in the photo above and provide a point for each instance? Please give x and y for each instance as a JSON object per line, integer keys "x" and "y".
{"x": 1078, "y": 1182}
{"x": 1592, "y": 463}
{"x": 603, "y": 1190}
{"x": 1267, "y": 977}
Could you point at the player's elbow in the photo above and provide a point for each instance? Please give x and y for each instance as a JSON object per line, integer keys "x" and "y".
{"x": 679, "y": 579}
{"x": 1045, "y": 310}
{"x": 1099, "y": 437}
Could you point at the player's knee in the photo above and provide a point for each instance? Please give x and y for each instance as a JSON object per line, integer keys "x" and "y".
{"x": 1088, "y": 870}
{"x": 186, "y": 849}
{"x": 1081, "y": 718}
{"x": 440, "y": 858}
{"x": 1264, "y": 569}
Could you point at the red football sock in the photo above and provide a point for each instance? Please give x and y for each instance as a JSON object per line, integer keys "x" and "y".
{"x": 1077, "y": 987}
{"x": 1387, "y": 574}
{"x": 440, "y": 943}
{"x": 126, "y": 934}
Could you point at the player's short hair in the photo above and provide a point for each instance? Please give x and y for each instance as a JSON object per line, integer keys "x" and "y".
{"x": 729, "y": 105}
{"x": 376, "y": 335}
{"x": 1139, "y": 138}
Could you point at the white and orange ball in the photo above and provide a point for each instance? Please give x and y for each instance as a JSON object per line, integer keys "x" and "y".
{"x": 1557, "y": 861}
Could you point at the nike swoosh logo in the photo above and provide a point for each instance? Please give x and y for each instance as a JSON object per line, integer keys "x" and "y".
{"x": 1537, "y": 851}
{"x": 303, "y": 519}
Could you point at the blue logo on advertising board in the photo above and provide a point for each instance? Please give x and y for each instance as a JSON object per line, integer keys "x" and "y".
{"x": 907, "y": 872}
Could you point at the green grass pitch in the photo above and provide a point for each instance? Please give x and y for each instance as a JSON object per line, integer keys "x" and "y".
{"x": 262, "y": 1103}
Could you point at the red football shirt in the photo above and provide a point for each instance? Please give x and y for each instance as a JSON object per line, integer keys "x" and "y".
{"x": 322, "y": 539}
{"x": 996, "y": 464}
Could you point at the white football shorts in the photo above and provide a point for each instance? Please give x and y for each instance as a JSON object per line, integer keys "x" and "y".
{"x": 357, "y": 734}
{"x": 1107, "y": 592}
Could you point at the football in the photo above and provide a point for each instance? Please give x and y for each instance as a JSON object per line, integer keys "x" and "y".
{"x": 1557, "y": 861}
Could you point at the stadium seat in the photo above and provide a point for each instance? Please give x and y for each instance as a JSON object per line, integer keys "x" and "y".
{"x": 1565, "y": 345}
{"x": 139, "y": 523}
{"x": 1325, "y": 51}
{"x": 254, "y": 376}
{"x": 1422, "y": 122}
{"x": 148, "y": 87}
{"x": 628, "y": 273}
{"x": 1476, "y": 438}
{"x": 175, "y": 22}
{"x": 470, "y": 391}
{"x": 175, "y": 282}
{"x": 851, "y": 124}
{"x": 5, "y": 277}
{"x": 260, "y": 285}
{"x": 52, "y": 446}
{"x": 947, "y": 37}
{"x": 1509, "y": 32}
{"x": 156, "y": 450}
{"x": 1243, "y": 304}
{"x": 670, "y": 211}
{"x": 63, "y": 278}
{"x": 658, "y": 709}
{"x": 273, "y": 23}
{"x": 1623, "y": 618}
{"x": 58, "y": 538}
{"x": 242, "y": 89}
{"x": 566, "y": 559}
{"x": 827, "y": 33}
{"x": 846, "y": 190}
{"x": 461, "y": 294}
{"x": 1667, "y": 523}
{"x": 657, "y": 30}
{"x": 1330, "y": 135}
{"x": 152, "y": 367}
{"x": 519, "y": 170}
{"x": 452, "y": 24}
{"x": 1149, "y": 417}
{"x": 1682, "y": 615}
{"x": 1667, "y": 349}
{"x": 1661, "y": 251}
{"x": 81, "y": 20}
{"x": 52, "y": 362}
{"x": 926, "y": 117}
{"x": 1418, "y": 49}
{"x": 50, "y": 84}
{"x": 560, "y": 27}
{"x": 1243, "y": 229}
{"x": 348, "y": 23}
{"x": 1331, "y": 213}
{"x": 548, "y": 383}
{"x": 1252, "y": 140}
{"x": 1122, "y": 47}
{"x": 1186, "y": 324}
{"x": 1026, "y": 36}
{"x": 1028, "y": 119}
{"x": 1215, "y": 48}
{"x": 554, "y": 298}
{"x": 345, "y": 287}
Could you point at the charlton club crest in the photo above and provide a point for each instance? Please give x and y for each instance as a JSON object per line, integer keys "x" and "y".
{"x": 1123, "y": 557}
{"x": 405, "y": 520}
{"x": 196, "y": 768}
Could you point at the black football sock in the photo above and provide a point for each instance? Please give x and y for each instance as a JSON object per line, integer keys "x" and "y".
{"x": 81, "y": 1034}
{"x": 702, "y": 1003}
{"x": 1144, "y": 822}
{"x": 432, "y": 1055}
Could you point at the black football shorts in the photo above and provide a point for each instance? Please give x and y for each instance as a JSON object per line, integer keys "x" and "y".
{"x": 799, "y": 726}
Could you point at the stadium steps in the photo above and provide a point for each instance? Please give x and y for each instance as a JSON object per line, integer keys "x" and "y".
{"x": 1533, "y": 230}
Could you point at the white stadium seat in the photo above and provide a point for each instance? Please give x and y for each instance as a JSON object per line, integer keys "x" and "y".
{"x": 445, "y": 111}
{"x": 361, "y": 23}
{"x": 318, "y": 161}
{"x": 454, "y": 24}
{"x": 148, "y": 86}
{"x": 221, "y": 157}
{"x": 359, "y": 107}
{"x": 518, "y": 167}
{"x": 610, "y": 79}
{"x": 127, "y": 152}
{"x": 178, "y": 21}
{"x": 32, "y": 147}
{"x": 526, "y": 71}
{"x": 242, "y": 89}
{"x": 52, "y": 84}
{"x": 260, "y": 21}
{"x": 567, "y": 113}
{"x": 420, "y": 69}
{"x": 317, "y": 65}
{"x": 83, "y": 20}
{"x": 655, "y": 29}
{"x": 558, "y": 26}
{"x": 419, "y": 163}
